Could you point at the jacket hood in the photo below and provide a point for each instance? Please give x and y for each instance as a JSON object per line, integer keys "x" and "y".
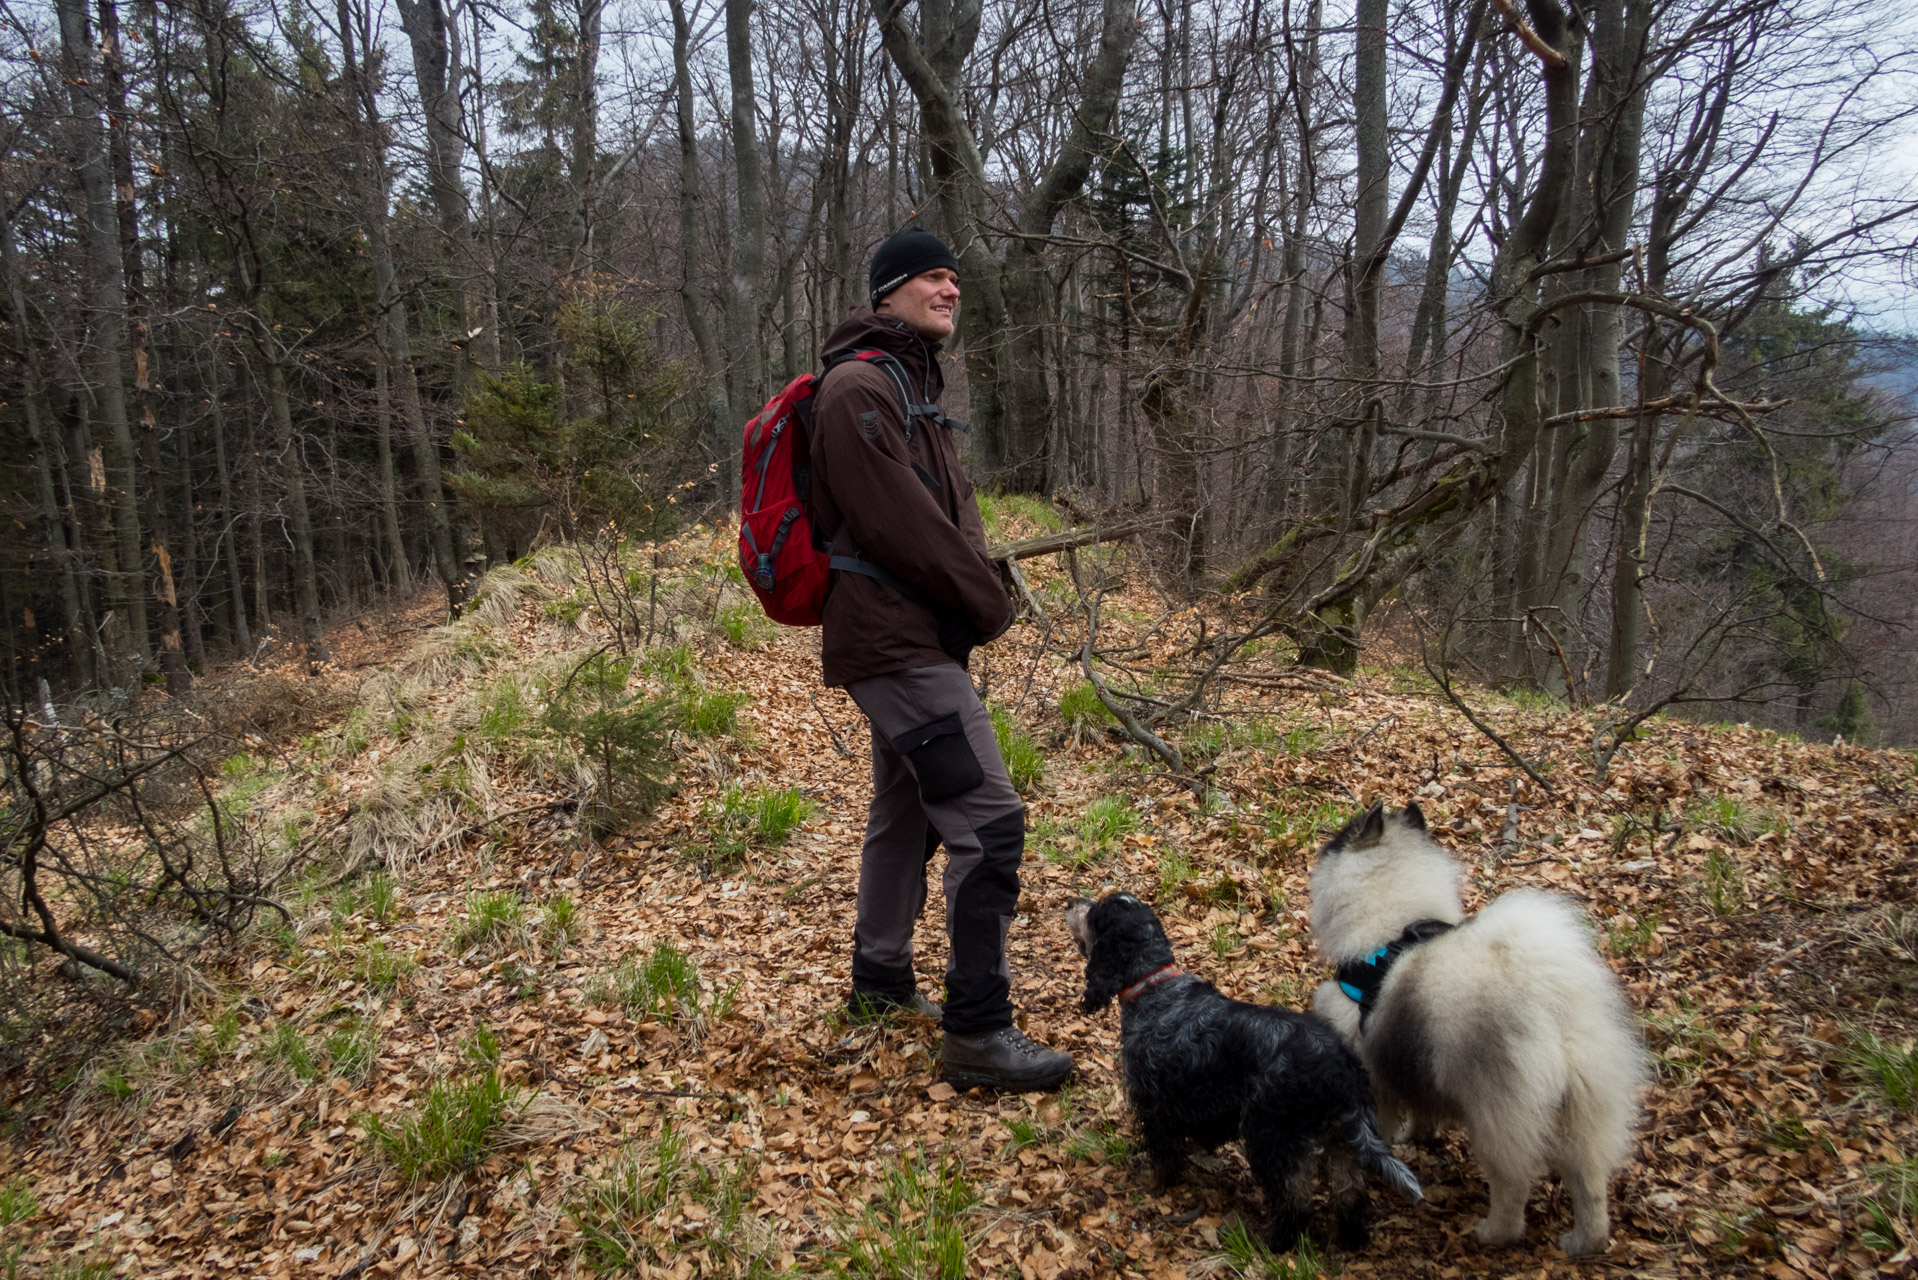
{"x": 867, "y": 328}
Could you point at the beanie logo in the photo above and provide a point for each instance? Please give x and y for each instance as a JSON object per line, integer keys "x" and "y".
{"x": 890, "y": 285}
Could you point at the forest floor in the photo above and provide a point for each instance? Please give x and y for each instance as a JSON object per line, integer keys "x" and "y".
{"x": 490, "y": 1045}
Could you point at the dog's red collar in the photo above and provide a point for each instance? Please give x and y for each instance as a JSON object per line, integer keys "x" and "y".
{"x": 1151, "y": 980}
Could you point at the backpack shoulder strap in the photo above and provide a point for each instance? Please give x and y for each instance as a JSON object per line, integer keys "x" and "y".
{"x": 895, "y": 373}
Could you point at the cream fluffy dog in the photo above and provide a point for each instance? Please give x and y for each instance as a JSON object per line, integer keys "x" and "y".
{"x": 1508, "y": 1023}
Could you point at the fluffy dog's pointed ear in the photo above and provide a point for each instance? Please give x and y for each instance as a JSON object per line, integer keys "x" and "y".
{"x": 1364, "y": 831}
{"x": 1413, "y": 816}
{"x": 1105, "y": 973}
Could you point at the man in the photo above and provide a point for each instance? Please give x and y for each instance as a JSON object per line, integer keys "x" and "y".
{"x": 913, "y": 593}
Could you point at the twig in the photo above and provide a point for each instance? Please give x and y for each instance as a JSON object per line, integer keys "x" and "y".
{"x": 1018, "y": 581}
{"x": 1136, "y": 731}
{"x": 1444, "y": 683}
{"x": 837, "y": 744}
{"x": 1533, "y": 862}
{"x": 1508, "y": 835}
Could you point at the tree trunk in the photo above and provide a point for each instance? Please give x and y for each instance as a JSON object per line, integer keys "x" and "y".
{"x": 1025, "y": 465}
{"x": 306, "y": 581}
{"x": 399, "y": 573}
{"x": 1371, "y": 209}
{"x": 434, "y": 37}
{"x": 229, "y": 518}
{"x": 107, "y": 315}
{"x": 78, "y": 648}
{"x": 396, "y": 349}
{"x": 746, "y": 390}
{"x": 584, "y": 164}
{"x": 725, "y": 419}
{"x": 1407, "y": 537}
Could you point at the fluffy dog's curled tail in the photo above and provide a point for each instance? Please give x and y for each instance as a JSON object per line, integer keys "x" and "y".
{"x": 1377, "y": 1159}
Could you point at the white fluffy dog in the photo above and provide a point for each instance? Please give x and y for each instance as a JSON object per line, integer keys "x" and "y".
{"x": 1508, "y": 1023}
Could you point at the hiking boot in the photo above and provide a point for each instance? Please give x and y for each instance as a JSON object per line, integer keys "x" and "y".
{"x": 1004, "y": 1059}
{"x": 865, "y": 1006}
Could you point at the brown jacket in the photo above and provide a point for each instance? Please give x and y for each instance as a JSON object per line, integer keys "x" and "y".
{"x": 905, "y": 506}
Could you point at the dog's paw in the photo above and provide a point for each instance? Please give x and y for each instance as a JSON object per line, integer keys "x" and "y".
{"x": 1583, "y": 1245}
{"x": 1493, "y": 1233}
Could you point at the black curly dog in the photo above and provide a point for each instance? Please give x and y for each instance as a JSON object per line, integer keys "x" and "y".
{"x": 1202, "y": 1066}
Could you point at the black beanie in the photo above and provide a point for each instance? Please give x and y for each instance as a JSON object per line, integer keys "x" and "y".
{"x": 909, "y": 252}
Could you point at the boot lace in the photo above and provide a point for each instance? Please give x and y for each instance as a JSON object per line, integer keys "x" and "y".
{"x": 1020, "y": 1043}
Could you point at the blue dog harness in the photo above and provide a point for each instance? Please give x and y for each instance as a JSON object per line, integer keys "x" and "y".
{"x": 1361, "y": 979}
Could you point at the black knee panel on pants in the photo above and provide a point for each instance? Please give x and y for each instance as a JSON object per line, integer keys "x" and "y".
{"x": 976, "y": 988}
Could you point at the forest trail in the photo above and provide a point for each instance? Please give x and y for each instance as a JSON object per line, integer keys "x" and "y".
{"x": 646, "y": 1031}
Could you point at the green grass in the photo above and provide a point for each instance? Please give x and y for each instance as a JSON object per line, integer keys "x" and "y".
{"x": 380, "y": 896}
{"x": 560, "y": 923}
{"x": 664, "y": 984}
{"x": 1105, "y": 822}
{"x": 1207, "y": 738}
{"x": 17, "y": 1202}
{"x": 710, "y": 713}
{"x": 1175, "y": 872}
{"x": 491, "y": 919}
{"x": 1527, "y": 699}
{"x": 1630, "y": 933}
{"x": 1224, "y": 940}
{"x": 1725, "y": 886}
{"x": 1024, "y": 763}
{"x": 1022, "y": 1132}
{"x": 1108, "y": 819}
{"x": 1082, "y": 710}
{"x": 1730, "y": 818}
{"x": 1101, "y": 1143}
{"x": 351, "y": 1049}
{"x": 1244, "y": 1252}
{"x": 998, "y": 510}
{"x": 914, "y": 1225}
{"x": 617, "y": 1212}
{"x": 749, "y": 819}
{"x": 672, "y": 664}
{"x": 746, "y": 626}
{"x": 1887, "y": 1069}
{"x": 1297, "y": 820}
{"x": 1892, "y": 1214}
{"x": 1681, "y": 1040}
{"x": 383, "y": 968}
{"x": 355, "y": 733}
{"x": 505, "y": 713}
{"x": 456, "y": 1127}
{"x": 286, "y": 1047}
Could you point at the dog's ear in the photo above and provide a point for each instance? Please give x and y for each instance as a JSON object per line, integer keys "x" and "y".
{"x": 1105, "y": 971}
{"x": 1413, "y": 816}
{"x": 1364, "y": 831}
{"x": 1112, "y": 937}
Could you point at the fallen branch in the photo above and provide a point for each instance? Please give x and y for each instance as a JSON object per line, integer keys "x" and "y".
{"x": 1442, "y": 677}
{"x": 1027, "y": 548}
{"x": 1508, "y": 835}
{"x": 1134, "y": 730}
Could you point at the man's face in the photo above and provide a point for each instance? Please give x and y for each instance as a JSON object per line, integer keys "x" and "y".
{"x": 928, "y": 302}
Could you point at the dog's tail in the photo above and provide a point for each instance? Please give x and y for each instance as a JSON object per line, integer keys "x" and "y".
{"x": 1377, "y": 1158}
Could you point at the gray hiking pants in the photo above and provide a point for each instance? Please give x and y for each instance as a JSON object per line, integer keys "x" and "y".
{"x": 937, "y": 777}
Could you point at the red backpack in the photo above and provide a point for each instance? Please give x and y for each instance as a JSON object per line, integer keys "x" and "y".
{"x": 786, "y": 564}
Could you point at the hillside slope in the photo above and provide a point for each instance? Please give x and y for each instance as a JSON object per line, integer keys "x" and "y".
{"x": 497, "y": 1044}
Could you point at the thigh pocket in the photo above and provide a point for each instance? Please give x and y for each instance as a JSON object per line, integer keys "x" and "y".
{"x": 942, "y": 757}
